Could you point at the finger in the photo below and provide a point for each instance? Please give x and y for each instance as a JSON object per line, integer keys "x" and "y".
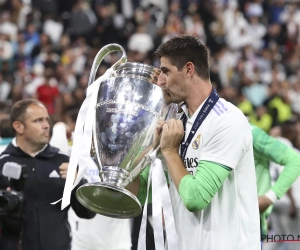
{"x": 63, "y": 171}
{"x": 63, "y": 174}
{"x": 64, "y": 166}
{"x": 170, "y": 122}
{"x": 161, "y": 122}
{"x": 179, "y": 124}
{"x": 165, "y": 128}
{"x": 173, "y": 124}
{"x": 154, "y": 76}
{"x": 159, "y": 125}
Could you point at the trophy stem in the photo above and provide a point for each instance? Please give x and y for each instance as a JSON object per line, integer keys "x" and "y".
{"x": 114, "y": 175}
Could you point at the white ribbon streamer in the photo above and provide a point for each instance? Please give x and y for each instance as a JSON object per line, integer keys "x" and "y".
{"x": 160, "y": 201}
{"x": 157, "y": 214}
{"x": 142, "y": 234}
{"x": 82, "y": 138}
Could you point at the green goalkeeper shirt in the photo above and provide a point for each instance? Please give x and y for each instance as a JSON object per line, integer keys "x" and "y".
{"x": 266, "y": 149}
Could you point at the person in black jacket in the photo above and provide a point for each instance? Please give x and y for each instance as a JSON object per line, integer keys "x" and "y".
{"x": 41, "y": 226}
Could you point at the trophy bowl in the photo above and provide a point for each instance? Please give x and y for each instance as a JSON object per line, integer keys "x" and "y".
{"x": 128, "y": 108}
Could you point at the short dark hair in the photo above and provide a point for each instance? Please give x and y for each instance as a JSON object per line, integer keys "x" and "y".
{"x": 185, "y": 48}
{"x": 18, "y": 110}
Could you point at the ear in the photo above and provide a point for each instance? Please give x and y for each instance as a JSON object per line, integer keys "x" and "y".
{"x": 190, "y": 68}
{"x": 19, "y": 127}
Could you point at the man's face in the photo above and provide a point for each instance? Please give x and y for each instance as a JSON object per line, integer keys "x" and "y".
{"x": 171, "y": 81}
{"x": 36, "y": 125}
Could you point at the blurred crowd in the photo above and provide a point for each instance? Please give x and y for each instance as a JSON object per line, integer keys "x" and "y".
{"x": 47, "y": 48}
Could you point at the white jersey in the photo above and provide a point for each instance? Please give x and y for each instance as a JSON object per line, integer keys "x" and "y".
{"x": 100, "y": 232}
{"x": 231, "y": 220}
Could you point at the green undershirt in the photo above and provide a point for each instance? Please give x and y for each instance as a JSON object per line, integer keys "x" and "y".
{"x": 196, "y": 191}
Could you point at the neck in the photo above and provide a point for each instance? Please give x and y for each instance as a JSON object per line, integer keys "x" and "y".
{"x": 197, "y": 96}
{"x": 27, "y": 147}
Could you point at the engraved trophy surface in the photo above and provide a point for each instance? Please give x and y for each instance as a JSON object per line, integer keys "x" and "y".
{"x": 128, "y": 108}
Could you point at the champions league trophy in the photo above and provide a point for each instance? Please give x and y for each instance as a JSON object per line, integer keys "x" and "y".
{"x": 129, "y": 105}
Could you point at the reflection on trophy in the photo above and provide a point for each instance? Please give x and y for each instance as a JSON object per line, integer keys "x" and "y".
{"x": 128, "y": 108}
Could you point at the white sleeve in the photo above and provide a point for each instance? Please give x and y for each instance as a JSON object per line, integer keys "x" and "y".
{"x": 227, "y": 140}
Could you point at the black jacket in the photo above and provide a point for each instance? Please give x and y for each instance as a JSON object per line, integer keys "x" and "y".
{"x": 44, "y": 226}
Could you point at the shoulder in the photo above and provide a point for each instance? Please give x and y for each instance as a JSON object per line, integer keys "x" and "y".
{"x": 228, "y": 126}
{"x": 225, "y": 114}
{"x": 62, "y": 155}
{"x": 4, "y": 157}
{"x": 54, "y": 153}
{"x": 224, "y": 109}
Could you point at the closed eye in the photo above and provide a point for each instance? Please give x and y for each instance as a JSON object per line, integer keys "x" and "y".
{"x": 164, "y": 70}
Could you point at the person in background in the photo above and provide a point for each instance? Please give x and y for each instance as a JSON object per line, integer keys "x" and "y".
{"x": 267, "y": 150}
{"x": 49, "y": 95}
{"x": 33, "y": 223}
{"x": 100, "y": 232}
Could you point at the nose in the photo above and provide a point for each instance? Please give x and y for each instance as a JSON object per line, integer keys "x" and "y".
{"x": 161, "y": 81}
{"x": 46, "y": 124}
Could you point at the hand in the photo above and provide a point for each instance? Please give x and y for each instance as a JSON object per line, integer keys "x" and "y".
{"x": 63, "y": 170}
{"x": 171, "y": 137}
{"x": 154, "y": 79}
{"x": 157, "y": 132}
{"x": 264, "y": 202}
{"x": 154, "y": 76}
{"x": 293, "y": 211}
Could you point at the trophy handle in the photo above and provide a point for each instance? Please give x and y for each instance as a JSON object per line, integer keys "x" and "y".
{"x": 101, "y": 54}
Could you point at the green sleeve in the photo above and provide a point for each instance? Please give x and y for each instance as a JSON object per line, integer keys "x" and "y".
{"x": 274, "y": 150}
{"x": 291, "y": 162}
{"x": 142, "y": 193}
{"x": 197, "y": 191}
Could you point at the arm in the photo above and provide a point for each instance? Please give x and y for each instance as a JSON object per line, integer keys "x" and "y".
{"x": 139, "y": 185}
{"x": 276, "y": 151}
{"x": 222, "y": 150}
{"x": 197, "y": 191}
{"x": 80, "y": 210}
{"x": 293, "y": 208}
{"x": 142, "y": 183}
{"x": 172, "y": 135}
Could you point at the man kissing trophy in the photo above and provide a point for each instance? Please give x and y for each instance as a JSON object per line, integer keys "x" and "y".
{"x": 114, "y": 130}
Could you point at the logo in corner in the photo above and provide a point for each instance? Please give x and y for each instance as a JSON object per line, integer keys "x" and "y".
{"x": 196, "y": 143}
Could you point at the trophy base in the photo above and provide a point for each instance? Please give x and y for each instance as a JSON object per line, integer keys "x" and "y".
{"x": 109, "y": 200}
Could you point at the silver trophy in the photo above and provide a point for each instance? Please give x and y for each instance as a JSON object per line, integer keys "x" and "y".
{"x": 129, "y": 105}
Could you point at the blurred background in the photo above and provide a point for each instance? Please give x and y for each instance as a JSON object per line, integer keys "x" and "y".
{"x": 47, "y": 48}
